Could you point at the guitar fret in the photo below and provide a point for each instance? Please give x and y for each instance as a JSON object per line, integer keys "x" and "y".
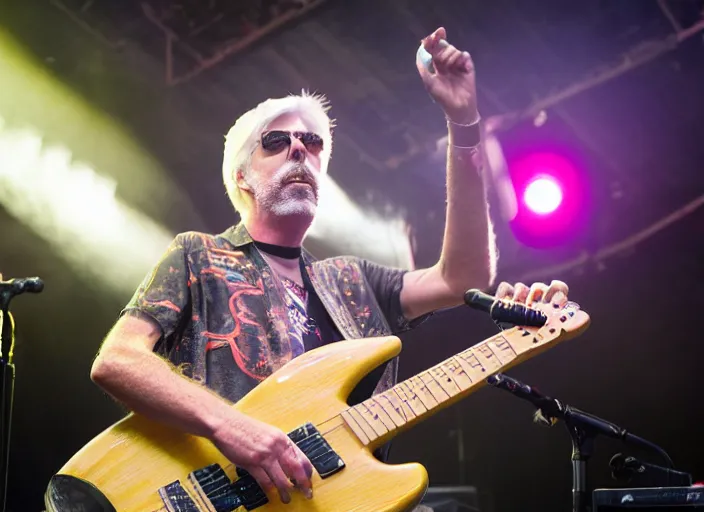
{"x": 412, "y": 399}
{"x": 503, "y": 349}
{"x": 446, "y": 380}
{"x": 434, "y": 387}
{"x": 359, "y": 432}
{"x": 422, "y": 393}
{"x": 376, "y": 424}
{"x": 491, "y": 362}
{"x": 379, "y": 413}
{"x": 362, "y": 423}
{"x": 389, "y": 411}
{"x": 394, "y": 400}
{"x": 408, "y": 412}
{"x": 462, "y": 379}
{"x": 474, "y": 365}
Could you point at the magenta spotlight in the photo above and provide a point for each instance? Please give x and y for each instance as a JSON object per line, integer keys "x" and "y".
{"x": 553, "y": 193}
{"x": 543, "y": 195}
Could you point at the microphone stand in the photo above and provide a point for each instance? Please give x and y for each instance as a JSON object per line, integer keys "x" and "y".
{"x": 582, "y": 437}
{"x": 582, "y": 449}
{"x": 583, "y": 429}
{"x": 7, "y": 388}
{"x": 8, "y": 290}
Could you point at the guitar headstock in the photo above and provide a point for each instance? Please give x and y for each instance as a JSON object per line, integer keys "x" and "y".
{"x": 563, "y": 323}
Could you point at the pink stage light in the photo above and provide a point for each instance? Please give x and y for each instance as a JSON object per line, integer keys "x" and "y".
{"x": 553, "y": 194}
{"x": 543, "y": 195}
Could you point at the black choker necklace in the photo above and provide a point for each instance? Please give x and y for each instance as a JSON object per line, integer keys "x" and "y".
{"x": 289, "y": 253}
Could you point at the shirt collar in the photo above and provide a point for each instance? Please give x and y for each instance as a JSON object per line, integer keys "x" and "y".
{"x": 238, "y": 236}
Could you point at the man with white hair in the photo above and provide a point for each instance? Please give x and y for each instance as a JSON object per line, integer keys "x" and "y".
{"x": 220, "y": 313}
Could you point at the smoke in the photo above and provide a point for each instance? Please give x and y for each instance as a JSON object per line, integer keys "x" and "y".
{"x": 77, "y": 212}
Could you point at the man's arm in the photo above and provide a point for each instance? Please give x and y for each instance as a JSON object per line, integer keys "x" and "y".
{"x": 128, "y": 369}
{"x": 468, "y": 254}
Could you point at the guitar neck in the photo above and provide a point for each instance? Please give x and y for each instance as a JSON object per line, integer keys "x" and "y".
{"x": 381, "y": 417}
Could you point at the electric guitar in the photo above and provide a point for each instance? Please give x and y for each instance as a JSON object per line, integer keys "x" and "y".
{"x": 139, "y": 465}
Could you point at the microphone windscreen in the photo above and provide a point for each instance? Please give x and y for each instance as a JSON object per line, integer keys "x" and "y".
{"x": 477, "y": 299}
{"x": 33, "y": 285}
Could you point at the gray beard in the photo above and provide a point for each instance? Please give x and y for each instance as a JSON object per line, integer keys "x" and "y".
{"x": 284, "y": 201}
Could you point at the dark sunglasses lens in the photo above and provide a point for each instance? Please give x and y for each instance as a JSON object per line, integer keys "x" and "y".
{"x": 312, "y": 141}
{"x": 275, "y": 140}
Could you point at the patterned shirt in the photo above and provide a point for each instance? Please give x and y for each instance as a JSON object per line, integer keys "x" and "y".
{"x": 301, "y": 325}
{"x": 228, "y": 322}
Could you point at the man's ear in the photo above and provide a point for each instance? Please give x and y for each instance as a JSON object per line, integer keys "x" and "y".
{"x": 241, "y": 181}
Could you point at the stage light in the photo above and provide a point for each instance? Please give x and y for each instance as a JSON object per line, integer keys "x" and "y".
{"x": 76, "y": 211}
{"x": 554, "y": 196}
{"x": 59, "y": 178}
{"x": 543, "y": 195}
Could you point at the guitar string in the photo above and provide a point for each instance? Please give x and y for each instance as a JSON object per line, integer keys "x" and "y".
{"x": 442, "y": 366}
{"x": 413, "y": 387}
{"x": 343, "y": 422}
{"x": 329, "y": 431}
{"x": 340, "y": 425}
{"x": 328, "y": 420}
{"x": 332, "y": 429}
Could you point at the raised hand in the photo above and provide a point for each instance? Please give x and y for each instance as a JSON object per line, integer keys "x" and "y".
{"x": 452, "y": 85}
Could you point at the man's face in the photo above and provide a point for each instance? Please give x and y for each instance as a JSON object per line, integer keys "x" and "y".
{"x": 284, "y": 177}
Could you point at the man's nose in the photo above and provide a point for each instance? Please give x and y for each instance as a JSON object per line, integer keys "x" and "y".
{"x": 298, "y": 151}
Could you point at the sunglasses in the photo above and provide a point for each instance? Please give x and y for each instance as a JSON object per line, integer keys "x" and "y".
{"x": 276, "y": 140}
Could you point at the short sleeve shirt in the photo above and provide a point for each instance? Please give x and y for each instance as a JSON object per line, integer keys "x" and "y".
{"x": 228, "y": 323}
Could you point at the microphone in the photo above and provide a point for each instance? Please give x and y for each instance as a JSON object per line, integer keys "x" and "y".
{"x": 18, "y": 286}
{"x": 502, "y": 311}
{"x": 21, "y": 285}
{"x": 550, "y": 410}
{"x": 625, "y": 468}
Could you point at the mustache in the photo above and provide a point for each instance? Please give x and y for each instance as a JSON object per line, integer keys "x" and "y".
{"x": 300, "y": 172}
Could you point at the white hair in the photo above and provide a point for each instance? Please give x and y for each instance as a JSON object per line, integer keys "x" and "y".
{"x": 242, "y": 139}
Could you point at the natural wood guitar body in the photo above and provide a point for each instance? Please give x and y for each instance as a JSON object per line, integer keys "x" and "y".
{"x": 132, "y": 462}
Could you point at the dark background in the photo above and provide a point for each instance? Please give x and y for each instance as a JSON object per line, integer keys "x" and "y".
{"x": 640, "y": 134}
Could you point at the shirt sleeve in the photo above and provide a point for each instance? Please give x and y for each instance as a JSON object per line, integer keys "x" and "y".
{"x": 386, "y": 283}
{"x": 164, "y": 294}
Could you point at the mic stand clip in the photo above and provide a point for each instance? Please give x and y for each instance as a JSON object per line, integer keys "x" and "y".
{"x": 582, "y": 436}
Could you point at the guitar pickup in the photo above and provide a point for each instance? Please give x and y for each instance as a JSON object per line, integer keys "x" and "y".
{"x": 312, "y": 443}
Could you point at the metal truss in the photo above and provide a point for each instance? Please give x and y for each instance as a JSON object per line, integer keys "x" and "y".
{"x": 208, "y": 32}
{"x": 197, "y": 34}
{"x": 632, "y": 59}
